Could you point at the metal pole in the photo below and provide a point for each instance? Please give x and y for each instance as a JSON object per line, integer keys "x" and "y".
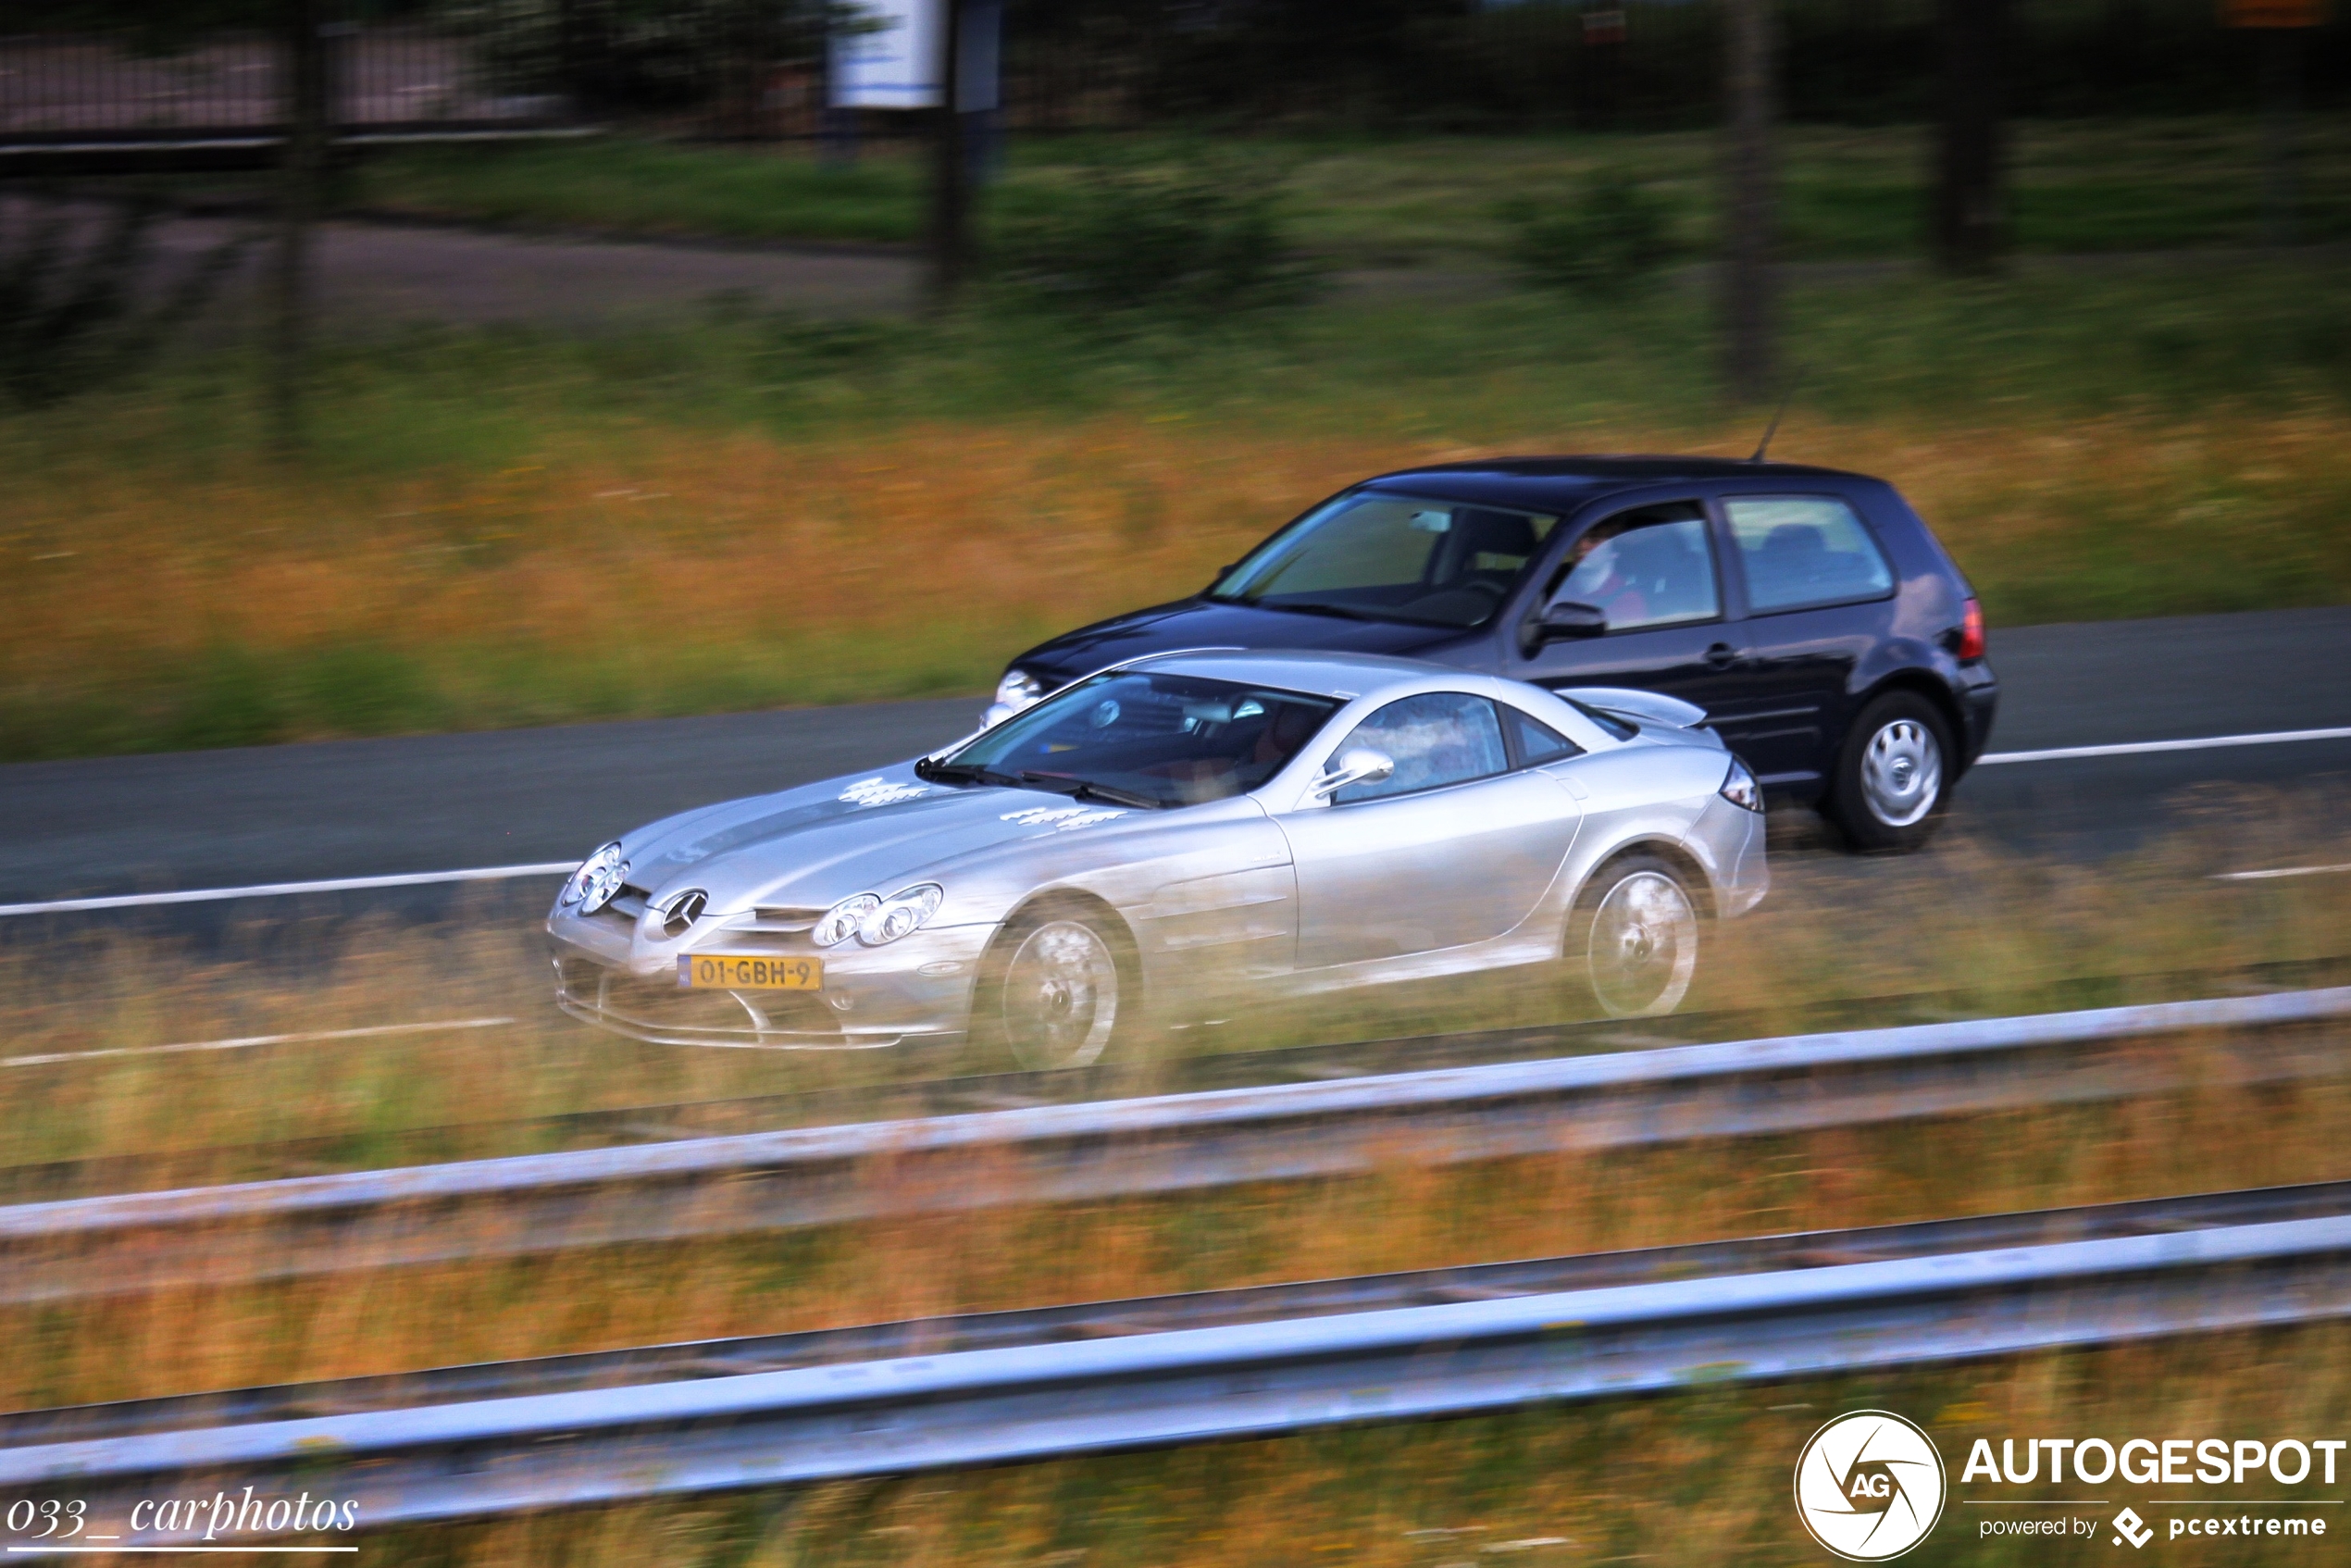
{"x": 1748, "y": 200}
{"x": 948, "y": 196}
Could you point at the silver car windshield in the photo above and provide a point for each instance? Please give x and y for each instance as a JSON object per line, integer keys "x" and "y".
{"x": 1372, "y": 556}
{"x": 1137, "y": 738}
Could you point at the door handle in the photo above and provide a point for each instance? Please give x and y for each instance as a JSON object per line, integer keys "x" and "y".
{"x": 1722, "y": 655}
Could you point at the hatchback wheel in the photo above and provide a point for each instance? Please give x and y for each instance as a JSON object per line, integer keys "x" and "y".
{"x": 1058, "y": 990}
{"x": 1894, "y": 775}
{"x": 1636, "y": 931}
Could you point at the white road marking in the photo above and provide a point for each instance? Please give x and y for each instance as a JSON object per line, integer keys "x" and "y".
{"x": 370, "y": 1032}
{"x": 283, "y": 890}
{"x": 2282, "y": 871}
{"x": 559, "y": 868}
{"x": 2135, "y": 748}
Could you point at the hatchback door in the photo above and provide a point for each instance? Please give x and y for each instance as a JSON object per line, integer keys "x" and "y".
{"x": 1819, "y": 596}
{"x": 1652, "y": 572}
{"x": 1451, "y": 848}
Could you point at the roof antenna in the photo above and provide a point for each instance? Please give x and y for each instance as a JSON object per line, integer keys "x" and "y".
{"x": 1773, "y": 429}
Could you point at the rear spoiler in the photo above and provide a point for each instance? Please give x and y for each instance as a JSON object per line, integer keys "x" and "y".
{"x": 1641, "y": 707}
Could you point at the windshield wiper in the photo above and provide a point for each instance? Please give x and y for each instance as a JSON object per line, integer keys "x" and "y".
{"x": 964, "y": 773}
{"x": 1118, "y": 796}
{"x": 1086, "y": 789}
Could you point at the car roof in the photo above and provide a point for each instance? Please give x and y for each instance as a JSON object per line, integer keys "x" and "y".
{"x": 1311, "y": 671}
{"x": 1559, "y": 484}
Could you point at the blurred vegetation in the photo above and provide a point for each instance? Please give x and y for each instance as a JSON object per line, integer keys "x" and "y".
{"x": 76, "y": 296}
{"x": 2080, "y": 186}
{"x": 1610, "y": 236}
{"x": 503, "y": 527}
{"x": 1200, "y": 233}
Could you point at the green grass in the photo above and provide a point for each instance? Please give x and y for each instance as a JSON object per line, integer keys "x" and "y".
{"x": 1849, "y": 193}
{"x": 652, "y": 188}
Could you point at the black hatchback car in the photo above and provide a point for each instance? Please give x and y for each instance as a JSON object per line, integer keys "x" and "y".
{"x": 1831, "y": 639}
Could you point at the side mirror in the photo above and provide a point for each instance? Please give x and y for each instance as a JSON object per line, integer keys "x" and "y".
{"x": 1356, "y": 765}
{"x": 1565, "y": 618}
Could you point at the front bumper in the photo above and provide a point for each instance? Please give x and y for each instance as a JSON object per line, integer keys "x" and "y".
{"x": 1728, "y": 840}
{"x": 918, "y": 987}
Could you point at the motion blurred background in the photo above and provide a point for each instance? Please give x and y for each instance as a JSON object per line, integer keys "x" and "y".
{"x": 472, "y": 366}
{"x": 398, "y": 369}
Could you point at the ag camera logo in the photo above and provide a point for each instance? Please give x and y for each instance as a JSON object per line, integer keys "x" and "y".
{"x": 1869, "y": 1486}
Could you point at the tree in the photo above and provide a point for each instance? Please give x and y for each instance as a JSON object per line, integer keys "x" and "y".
{"x": 1969, "y": 214}
{"x": 1749, "y": 199}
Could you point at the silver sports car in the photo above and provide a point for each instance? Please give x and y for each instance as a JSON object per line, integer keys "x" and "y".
{"x": 1162, "y": 841}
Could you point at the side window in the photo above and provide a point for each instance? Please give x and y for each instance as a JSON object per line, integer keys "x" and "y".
{"x": 1535, "y": 742}
{"x": 1650, "y": 567}
{"x": 1438, "y": 738}
{"x": 1801, "y": 549}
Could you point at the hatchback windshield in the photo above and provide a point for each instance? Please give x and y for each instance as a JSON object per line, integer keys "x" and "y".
{"x": 1135, "y": 738}
{"x": 1392, "y": 558}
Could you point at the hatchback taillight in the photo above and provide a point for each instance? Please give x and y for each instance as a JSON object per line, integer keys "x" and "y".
{"x": 1970, "y": 632}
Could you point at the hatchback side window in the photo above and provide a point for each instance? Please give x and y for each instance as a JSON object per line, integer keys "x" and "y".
{"x": 1800, "y": 550}
{"x": 1649, "y": 568}
{"x": 1437, "y": 738}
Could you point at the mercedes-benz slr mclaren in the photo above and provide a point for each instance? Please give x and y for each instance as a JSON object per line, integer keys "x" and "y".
{"x": 1169, "y": 841}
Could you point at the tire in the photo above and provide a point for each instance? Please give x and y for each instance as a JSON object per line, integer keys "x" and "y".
{"x": 1635, "y": 934}
{"x": 1893, "y": 776}
{"x": 1061, "y": 989}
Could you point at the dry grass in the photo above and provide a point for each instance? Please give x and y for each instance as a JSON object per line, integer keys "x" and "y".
{"x": 1405, "y": 1217}
{"x": 737, "y": 510}
{"x": 1972, "y": 921}
{"x": 1697, "y": 1477}
{"x": 690, "y": 570}
{"x": 1996, "y": 930}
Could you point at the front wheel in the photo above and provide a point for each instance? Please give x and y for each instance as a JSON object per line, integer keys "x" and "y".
{"x": 1636, "y": 930}
{"x": 1893, "y": 774}
{"x": 1059, "y": 992}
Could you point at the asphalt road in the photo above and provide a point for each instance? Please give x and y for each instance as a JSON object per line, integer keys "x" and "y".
{"x": 368, "y": 808}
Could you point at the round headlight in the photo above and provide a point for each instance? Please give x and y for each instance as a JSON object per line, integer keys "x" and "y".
{"x": 900, "y": 914}
{"x": 599, "y": 876}
{"x": 840, "y": 921}
{"x": 1019, "y": 690}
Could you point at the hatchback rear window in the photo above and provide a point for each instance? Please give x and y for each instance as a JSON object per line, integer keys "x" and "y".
{"x": 1802, "y": 550}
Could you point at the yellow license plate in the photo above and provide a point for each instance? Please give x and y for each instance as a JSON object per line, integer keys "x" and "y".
{"x": 723, "y": 973}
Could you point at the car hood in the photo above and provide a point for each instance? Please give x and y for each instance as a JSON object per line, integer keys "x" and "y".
{"x": 1201, "y": 623}
{"x": 875, "y": 832}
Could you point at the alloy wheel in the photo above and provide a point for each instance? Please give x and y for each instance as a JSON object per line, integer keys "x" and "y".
{"x": 1643, "y": 947}
{"x": 1061, "y": 996}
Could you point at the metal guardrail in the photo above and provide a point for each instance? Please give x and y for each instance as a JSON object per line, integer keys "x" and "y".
{"x": 528, "y": 1205}
{"x": 2282, "y": 1256}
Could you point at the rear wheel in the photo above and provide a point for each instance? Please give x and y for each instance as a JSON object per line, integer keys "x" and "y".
{"x": 1060, "y": 992}
{"x": 1636, "y": 931}
{"x": 1894, "y": 775}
